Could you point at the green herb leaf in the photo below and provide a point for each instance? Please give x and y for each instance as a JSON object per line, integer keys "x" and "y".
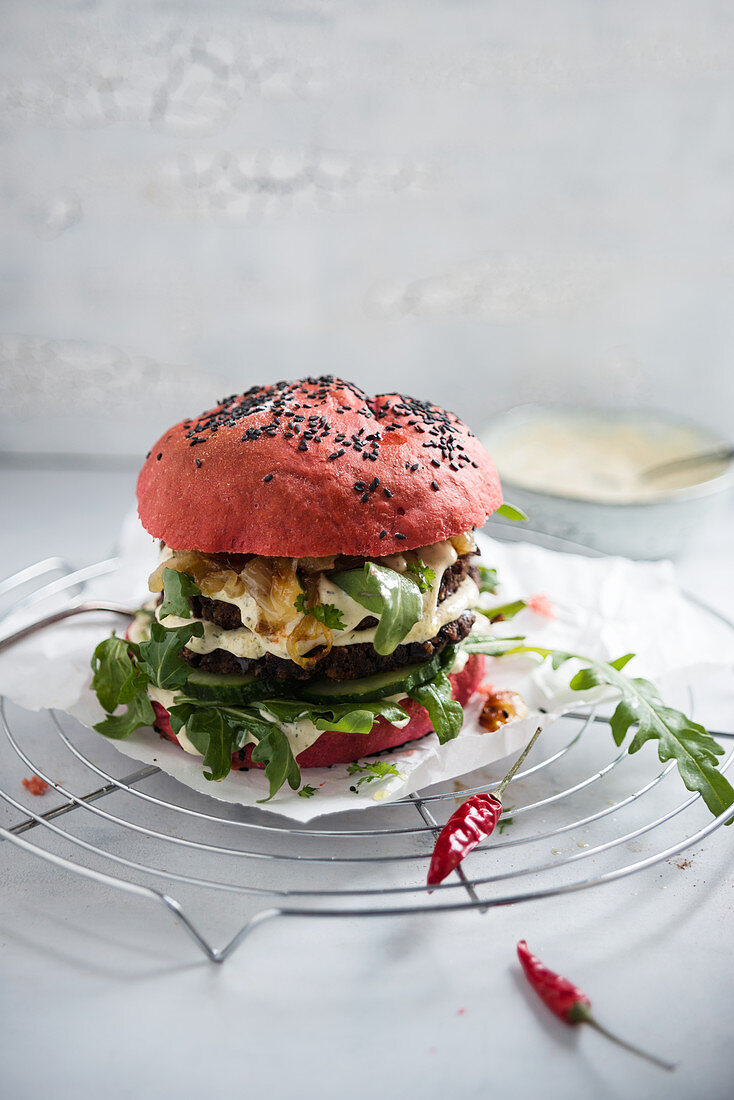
{"x": 177, "y": 587}
{"x": 422, "y": 574}
{"x": 159, "y": 657}
{"x": 274, "y": 751}
{"x": 307, "y": 792}
{"x": 393, "y": 596}
{"x": 506, "y": 610}
{"x": 381, "y": 769}
{"x": 325, "y": 613}
{"x": 208, "y": 732}
{"x": 488, "y": 580}
{"x": 139, "y": 712}
{"x": 116, "y": 678}
{"x": 339, "y": 717}
{"x": 491, "y": 647}
{"x": 679, "y": 738}
{"x": 509, "y": 511}
{"x": 447, "y": 716}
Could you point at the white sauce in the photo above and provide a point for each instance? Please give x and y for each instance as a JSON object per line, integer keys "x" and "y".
{"x": 593, "y": 456}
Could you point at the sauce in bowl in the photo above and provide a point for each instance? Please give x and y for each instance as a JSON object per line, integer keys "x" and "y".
{"x": 598, "y": 455}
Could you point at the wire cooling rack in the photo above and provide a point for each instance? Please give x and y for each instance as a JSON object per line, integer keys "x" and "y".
{"x": 579, "y": 814}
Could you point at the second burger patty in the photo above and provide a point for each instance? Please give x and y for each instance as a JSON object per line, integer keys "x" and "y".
{"x": 350, "y": 662}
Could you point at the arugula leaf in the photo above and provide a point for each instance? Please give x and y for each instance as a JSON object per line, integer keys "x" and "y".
{"x": 381, "y": 769}
{"x": 177, "y": 587}
{"x": 393, "y": 596}
{"x": 492, "y": 647}
{"x": 208, "y": 732}
{"x": 422, "y": 574}
{"x": 274, "y": 751}
{"x": 159, "y": 657}
{"x": 447, "y": 716}
{"x": 679, "y": 738}
{"x": 506, "y": 610}
{"x": 326, "y": 613}
{"x": 509, "y": 511}
{"x": 488, "y": 580}
{"x": 340, "y": 717}
{"x": 116, "y": 678}
{"x": 307, "y": 792}
{"x": 139, "y": 712}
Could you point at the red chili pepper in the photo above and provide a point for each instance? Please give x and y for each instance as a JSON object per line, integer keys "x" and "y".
{"x": 568, "y": 1002}
{"x": 560, "y": 995}
{"x": 474, "y": 820}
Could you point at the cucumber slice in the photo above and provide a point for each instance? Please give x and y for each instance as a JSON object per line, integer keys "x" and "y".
{"x": 371, "y": 687}
{"x": 231, "y": 687}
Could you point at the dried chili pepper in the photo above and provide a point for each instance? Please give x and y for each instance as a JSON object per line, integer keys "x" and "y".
{"x": 473, "y": 822}
{"x": 570, "y": 1003}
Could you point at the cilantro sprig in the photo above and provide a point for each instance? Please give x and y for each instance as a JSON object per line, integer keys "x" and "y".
{"x": 380, "y": 769}
{"x": 326, "y": 613}
{"x": 422, "y": 574}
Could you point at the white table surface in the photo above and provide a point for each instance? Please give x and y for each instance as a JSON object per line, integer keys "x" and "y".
{"x": 102, "y": 996}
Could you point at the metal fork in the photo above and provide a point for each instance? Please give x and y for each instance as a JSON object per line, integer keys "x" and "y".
{"x": 59, "y": 616}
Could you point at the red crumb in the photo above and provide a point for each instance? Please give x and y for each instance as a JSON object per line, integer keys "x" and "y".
{"x": 541, "y": 605}
{"x": 35, "y": 785}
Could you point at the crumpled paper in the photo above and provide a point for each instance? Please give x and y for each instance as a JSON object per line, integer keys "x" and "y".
{"x": 604, "y": 607}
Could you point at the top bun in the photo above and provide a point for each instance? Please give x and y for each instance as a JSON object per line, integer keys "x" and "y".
{"x": 315, "y": 467}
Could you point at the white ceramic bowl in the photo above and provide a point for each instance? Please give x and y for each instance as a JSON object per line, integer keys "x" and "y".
{"x": 654, "y": 527}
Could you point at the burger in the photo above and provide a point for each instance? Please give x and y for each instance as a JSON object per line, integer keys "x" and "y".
{"x": 313, "y": 599}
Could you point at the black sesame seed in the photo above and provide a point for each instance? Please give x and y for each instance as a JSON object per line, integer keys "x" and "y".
{"x": 434, "y": 486}
{"x": 198, "y": 463}
{"x": 332, "y": 456}
{"x": 159, "y": 456}
{"x": 374, "y": 483}
{"x": 268, "y": 477}
{"x": 302, "y": 446}
{"x": 383, "y": 534}
{"x": 414, "y": 467}
{"x": 365, "y": 497}
{"x": 399, "y": 536}
{"x": 359, "y": 486}
{"x": 435, "y": 462}
{"x": 387, "y": 492}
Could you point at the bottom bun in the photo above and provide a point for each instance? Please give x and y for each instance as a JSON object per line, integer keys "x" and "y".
{"x": 343, "y": 748}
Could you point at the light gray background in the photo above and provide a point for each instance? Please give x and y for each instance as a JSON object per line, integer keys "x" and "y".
{"x": 481, "y": 203}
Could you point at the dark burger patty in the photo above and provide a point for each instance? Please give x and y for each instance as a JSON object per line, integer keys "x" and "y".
{"x": 227, "y": 615}
{"x": 346, "y": 662}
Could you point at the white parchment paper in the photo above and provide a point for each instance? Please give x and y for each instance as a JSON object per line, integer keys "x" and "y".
{"x": 603, "y": 607}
